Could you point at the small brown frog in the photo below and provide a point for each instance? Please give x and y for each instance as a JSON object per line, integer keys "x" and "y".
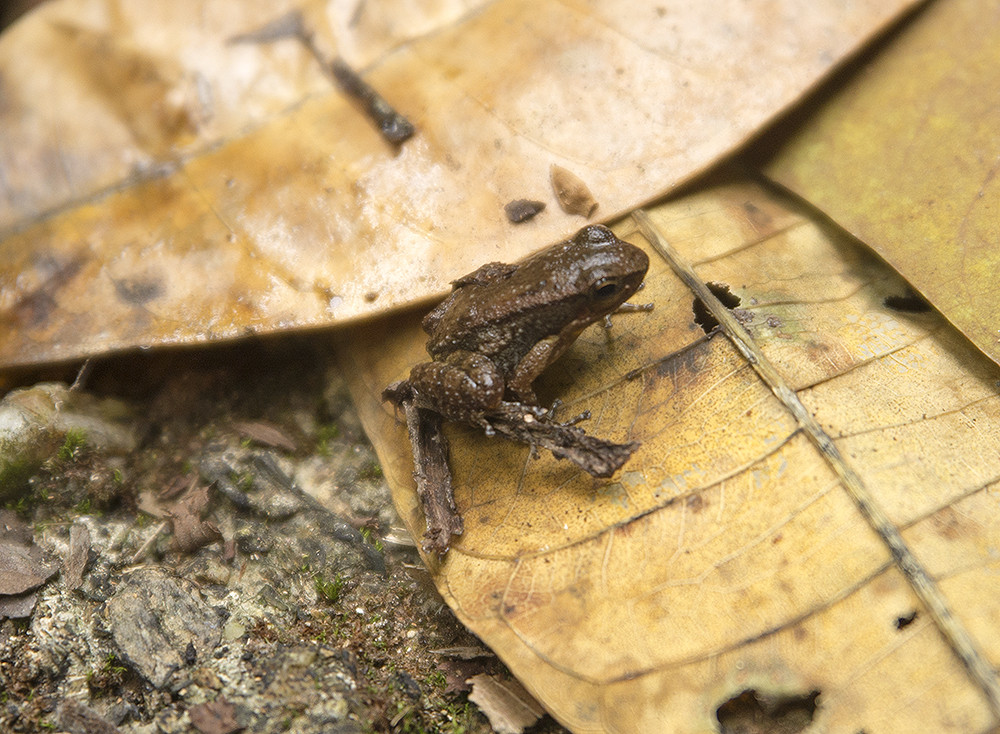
{"x": 499, "y": 329}
{"x": 503, "y": 325}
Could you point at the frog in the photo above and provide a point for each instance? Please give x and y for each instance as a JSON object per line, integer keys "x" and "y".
{"x": 503, "y": 324}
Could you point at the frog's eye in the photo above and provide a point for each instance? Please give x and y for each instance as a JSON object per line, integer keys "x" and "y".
{"x": 606, "y": 288}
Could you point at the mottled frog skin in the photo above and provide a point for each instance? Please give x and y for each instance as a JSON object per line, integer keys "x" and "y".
{"x": 503, "y": 325}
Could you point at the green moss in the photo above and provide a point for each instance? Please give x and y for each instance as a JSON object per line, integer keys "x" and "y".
{"x": 14, "y": 476}
{"x": 326, "y": 435}
{"x": 330, "y": 590}
{"x": 370, "y": 471}
{"x": 75, "y": 441}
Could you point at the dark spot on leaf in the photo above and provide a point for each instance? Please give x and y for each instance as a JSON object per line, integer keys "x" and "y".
{"x": 34, "y": 309}
{"x": 35, "y": 306}
{"x": 905, "y": 620}
{"x": 909, "y": 302}
{"x": 695, "y": 503}
{"x": 521, "y": 210}
{"x": 703, "y": 317}
{"x": 138, "y": 291}
{"x": 760, "y": 219}
{"x": 754, "y": 712}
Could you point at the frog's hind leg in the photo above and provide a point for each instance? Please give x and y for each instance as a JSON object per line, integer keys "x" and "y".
{"x": 460, "y": 388}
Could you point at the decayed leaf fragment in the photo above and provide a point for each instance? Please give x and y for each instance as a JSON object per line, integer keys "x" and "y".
{"x": 230, "y": 188}
{"x": 904, "y": 157}
{"x": 571, "y": 192}
{"x": 509, "y": 707}
{"x": 729, "y": 555}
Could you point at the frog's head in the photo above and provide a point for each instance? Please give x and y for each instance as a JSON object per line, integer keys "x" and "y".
{"x": 608, "y": 270}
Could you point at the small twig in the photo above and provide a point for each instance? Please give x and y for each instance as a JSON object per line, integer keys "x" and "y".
{"x": 395, "y": 128}
{"x": 144, "y": 548}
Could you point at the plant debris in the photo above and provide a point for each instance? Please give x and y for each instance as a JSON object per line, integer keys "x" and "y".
{"x": 508, "y": 706}
{"x": 154, "y": 633}
{"x": 521, "y": 210}
{"x": 216, "y": 717}
{"x": 395, "y": 128}
{"x": 573, "y": 194}
{"x": 76, "y": 556}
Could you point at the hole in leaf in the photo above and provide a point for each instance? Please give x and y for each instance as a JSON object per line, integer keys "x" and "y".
{"x": 753, "y": 712}
{"x": 702, "y": 316}
{"x": 906, "y": 620}
{"x": 909, "y": 302}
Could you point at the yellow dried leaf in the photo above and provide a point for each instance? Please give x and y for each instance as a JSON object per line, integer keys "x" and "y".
{"x": 162, "y": 184}
{"x": 821, "y": 526}
{"x": 904, "y": 156}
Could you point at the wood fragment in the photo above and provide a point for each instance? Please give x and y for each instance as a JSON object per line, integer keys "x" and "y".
{"x": 265, "y": 433}
{"x": 76, "y": 556}
{"x": 521, "y": 210}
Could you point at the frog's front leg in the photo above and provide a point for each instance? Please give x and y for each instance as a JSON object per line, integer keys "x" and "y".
{"x": 460, "y": 387}
{"x": 532, "y": 364}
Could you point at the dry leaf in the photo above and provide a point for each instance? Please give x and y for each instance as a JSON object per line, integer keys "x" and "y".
{"x": 215, "y": 717}
{"x": 753, "y": 543}
{"x": 162, "y": 185}
{"x": 22, "y": 567}
{"x": 76, "y": 718}
{"x": 183, "y": 502}
{"x": 265, "y": 433}
{"x": 509, "y": 707}
{"x": 18, "y": 606}
{"x": 191, "y": 532}
{"x": 904, "y": 156}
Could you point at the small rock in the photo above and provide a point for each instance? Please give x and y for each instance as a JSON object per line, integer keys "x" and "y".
{"x": 153, "y": 616}
{"x": 79, "y": 719}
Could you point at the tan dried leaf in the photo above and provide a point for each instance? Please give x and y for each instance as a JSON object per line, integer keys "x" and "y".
{"x": 164, "y": 185}
{"x": 904, "y": 157}
{"x": 265, "y": 433}
{"x": 215, "y": 717}
{"x": 509, "y": 707}
{"x": 822, "y": 523}
{"x": 22, "y": 567}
